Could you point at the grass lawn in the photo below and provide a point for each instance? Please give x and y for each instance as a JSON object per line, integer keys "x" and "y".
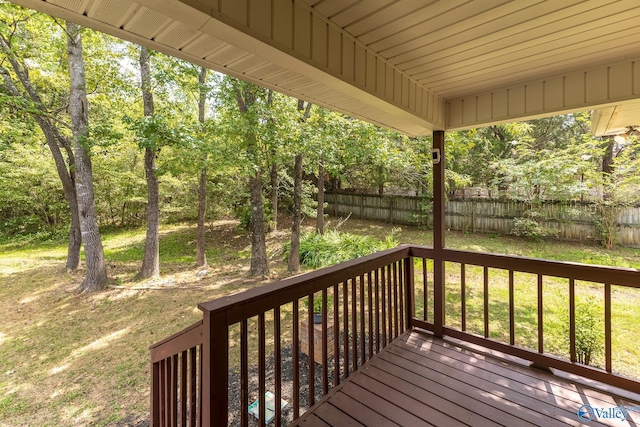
{"x": 71, "y": 359}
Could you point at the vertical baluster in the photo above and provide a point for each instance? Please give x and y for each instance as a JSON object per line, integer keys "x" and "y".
{"x": 155, "y": 394}
{"x": 166, "y": 405}
{"x": 262, "y": 412}
{"x": 463, "y": 297}
{"x": 193, "y": 393}
{"x": 486, "y": 301}
{"x": 183, "y": 388}
{"x": 383, "y": 302}
{"x": 336, "y": 335}
{"x": 390, "y": 307}
{"x": 174, "y": 390}
{"x": 572, "y": 320}
{"x": 370, "y": 313}
{"x": 607, "y": 328}
{"x": 277, "y": 365}
{"x": 540, "y": 319}
{"x": 325, "y": 337}
{"x": 354, "y": 323}
{"x": 200, "y": 385}
{"x": 345, "y": 313}
{"x": 396, "y": 301}
{"x": 296, "y": 361}
{"x": 312, "y": 363}
{"x": 401, "y": 320}
{"x": 377, "y": 307}
{"x": 512, "y": 321}
{"x": 161, "y": 392}
{"x": 425, "y": 290}
{"x": 362, "y": 319}
{"x": 244, "y": 373}
{"x": 410, "y": 292}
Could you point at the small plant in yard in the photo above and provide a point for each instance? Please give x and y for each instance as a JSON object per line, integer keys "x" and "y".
{"x": 589, "y": 331}
{"x": 333, "y": 247}
{"x": 317, "y": 303}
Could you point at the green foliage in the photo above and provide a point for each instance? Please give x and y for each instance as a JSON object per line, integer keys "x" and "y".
{"x": 317, "y": 303}
{"x": 589, "y": 330}
{"x": 528, "y": 227}
{"x": 333, "y": 247}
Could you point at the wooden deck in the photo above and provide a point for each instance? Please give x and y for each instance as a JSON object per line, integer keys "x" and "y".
{"x": 420, "y": 380}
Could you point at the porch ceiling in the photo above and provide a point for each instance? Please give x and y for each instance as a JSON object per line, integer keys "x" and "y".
{"x": 411, "y": 65}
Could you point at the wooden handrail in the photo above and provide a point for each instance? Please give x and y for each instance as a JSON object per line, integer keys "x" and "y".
{"x": 254, "y": 301}
{"x": 374, "y": 300}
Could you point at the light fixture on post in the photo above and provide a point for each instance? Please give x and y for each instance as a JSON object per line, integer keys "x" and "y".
{"x": 621, "y": 138}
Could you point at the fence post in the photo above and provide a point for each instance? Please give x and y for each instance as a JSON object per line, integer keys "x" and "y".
{"x": 215, "y": 367}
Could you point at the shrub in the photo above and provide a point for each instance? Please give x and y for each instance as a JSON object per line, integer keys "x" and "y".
{"x": 333, "y": 247}
{"x": 589, "y": 331}
{"x": 528, "y": 227}
{"x": 317, "y": 303}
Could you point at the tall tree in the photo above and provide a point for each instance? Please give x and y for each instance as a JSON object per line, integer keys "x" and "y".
{"x": 293, "y": 264}
{"x": 96, "y": 272}
{"x": 201, "y": 255}
{"x": 151, "y": 262}
{"x": 247, "y": 97}
{"x": 56, "y": 141}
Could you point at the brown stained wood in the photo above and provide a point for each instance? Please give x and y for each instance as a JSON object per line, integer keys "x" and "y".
{"x": 376, "y": 279}
{"x": 410, "y": 292}
{"x": 425, "y": 290}
{"x": 193, "y": 384}
{"x": 486, "y": 302}
{"x": 244, "y": 372}
{"x": 354, "y": 324}
{"x": 345, "y": 315}
{"x": 358, "y": 413}
{"x": 512, "y": 322}
{"x": 390, "y": 306}
{"x": 176, "y": 343}
{"x": 463, "y": 297}
{"x": 325, "y": 351}
{"x": 362, "y": 322}
{"x": 396, "y": 298}
{"x": 296, "y": 359}
{"x": 155, "y": 394}
{"x": 572, "y": 320}
{"x": 370, "y": 313}
{"x": 607, "y": 327}
{"x": 336, "y": 334}
{"x": 398, "y": 415}
{"x": 540, "y": 318}
{"x": 334, "y": 416}
{"x": 183, "y": 388}
{"x": 524, "y": 374}
{"x": 383, "y": 302}
{"x": 262, "y": 411}
{"x": 312, "y": 364}
{"x": 277, "y": 364}
{"x": 401, "y": 319}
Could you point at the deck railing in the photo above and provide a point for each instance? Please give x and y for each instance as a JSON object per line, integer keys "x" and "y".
{"x": 264, "y": 339}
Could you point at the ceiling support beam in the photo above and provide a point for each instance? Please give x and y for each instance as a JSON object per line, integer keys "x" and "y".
{"x": 578, "y": 91}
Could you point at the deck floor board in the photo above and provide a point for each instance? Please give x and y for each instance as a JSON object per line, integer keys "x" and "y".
{"x": 419, "y": 380}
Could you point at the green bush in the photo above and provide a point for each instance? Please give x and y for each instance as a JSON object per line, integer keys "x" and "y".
{"x": 589, "y": 331}
{"x": 333, "y": 247}
{"x": 528, "y": 227}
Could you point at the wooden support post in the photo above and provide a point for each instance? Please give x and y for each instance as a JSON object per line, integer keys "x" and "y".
{"x": 215, "y": 366}
{"x": 410, "y": 293}
{"x": 438, "y": 233}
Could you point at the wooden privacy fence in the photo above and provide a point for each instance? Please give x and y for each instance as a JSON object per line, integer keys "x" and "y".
{"x": 249, "y": 343}
{"x": 568, "y": 221}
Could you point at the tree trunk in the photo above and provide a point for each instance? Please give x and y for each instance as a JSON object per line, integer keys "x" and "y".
{"x": 96, "y": 272}
{"x": 294, "y": 255}
{"x": 245, "y": 97}
{"x": 201, "y": 255}
{"x": 320, "y": 211}
{"x": 274, "y": 193}
{"x": 151, "y": 262}
{"x": 54, "y": 140}
{"x": 259, "y": 262}
{"x": 607, "y": 168}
